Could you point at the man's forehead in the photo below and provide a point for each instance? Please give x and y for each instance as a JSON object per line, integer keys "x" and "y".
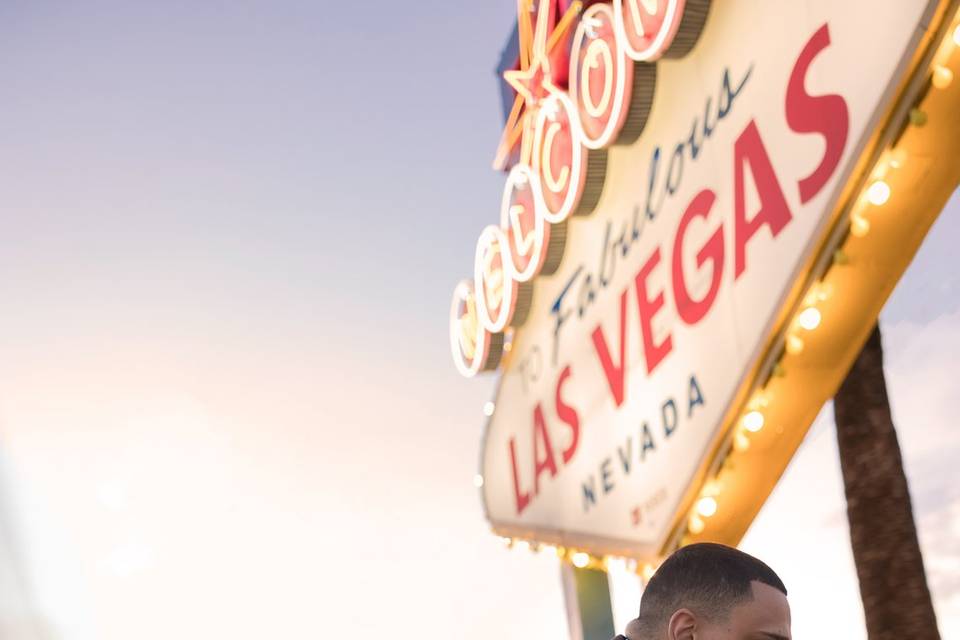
{"x": 766, "y": 616}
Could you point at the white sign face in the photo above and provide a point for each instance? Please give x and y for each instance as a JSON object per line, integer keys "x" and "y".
{"x": 634, "y": 348}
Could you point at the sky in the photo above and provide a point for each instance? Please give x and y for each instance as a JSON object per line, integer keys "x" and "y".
{"x": 227, "y": 405}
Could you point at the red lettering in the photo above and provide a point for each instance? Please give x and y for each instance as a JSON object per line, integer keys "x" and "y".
{"x": 569, "y": 416}
{"x": 774, "y": 211}
{"x": 544, "y": 458}
{"x": 522, "y": 498}
{"x": 826, "y": 115}
{"x": 548, "y": 462}
{"x": 615, "y": 374}
{"x": 690, "y": 310}
{"x": 654, "y": 353}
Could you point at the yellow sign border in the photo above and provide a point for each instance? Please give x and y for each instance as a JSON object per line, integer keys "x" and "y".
{"x": 853, "y": 269}
{"x": 793, "y": 380}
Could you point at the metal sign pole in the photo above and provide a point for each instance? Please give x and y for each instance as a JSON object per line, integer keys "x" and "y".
{"x": 586, "y": 593}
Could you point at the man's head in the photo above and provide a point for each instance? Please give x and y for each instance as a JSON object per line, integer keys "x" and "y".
{"x": 712, "y": 592}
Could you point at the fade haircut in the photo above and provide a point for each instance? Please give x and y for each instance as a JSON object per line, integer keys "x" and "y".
{"x": 708, "y": 579}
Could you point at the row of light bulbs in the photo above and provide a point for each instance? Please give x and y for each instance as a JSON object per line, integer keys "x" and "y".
{"x": 582, "y": 559}
{"x": 808, "y": 319}
{"x": 876, "y": 194}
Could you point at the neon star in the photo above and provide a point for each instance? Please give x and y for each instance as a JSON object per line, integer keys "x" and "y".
{"x": 533, "y": 81}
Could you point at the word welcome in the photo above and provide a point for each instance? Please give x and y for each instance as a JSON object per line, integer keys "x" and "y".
{"x": 606, "y": 101}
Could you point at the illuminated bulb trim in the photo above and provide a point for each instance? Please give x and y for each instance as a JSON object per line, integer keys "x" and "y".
{"x": 810, "y": 318}
{"x": 522, "y": 545}
{"x": 760, "y": 400}
{"x": 580, "y": 560}
{"x": 794, "y": 344}
{"x": 707, "y": 506}
{"x": 859, "y": 226}
{"x": 488, "y": 408}
{"x": 741, "y": 442}
{"x": 478, "y": 481}
{"x": 753, "y": 421}
{"x": 824, "y": 291}
{"x": 898, "y": 157}
{"x": 696, "y": 525}
{"x": 878, "y": 193}
{"x": 942, "y": 77}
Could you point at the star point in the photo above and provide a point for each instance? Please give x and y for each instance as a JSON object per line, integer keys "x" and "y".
{"x": 533, "y": 81}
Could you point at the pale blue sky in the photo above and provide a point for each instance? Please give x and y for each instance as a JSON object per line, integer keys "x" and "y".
{"x": 231, "y": 235}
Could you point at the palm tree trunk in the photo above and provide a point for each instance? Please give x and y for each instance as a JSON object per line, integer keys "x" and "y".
{"x": 893, "y": 585}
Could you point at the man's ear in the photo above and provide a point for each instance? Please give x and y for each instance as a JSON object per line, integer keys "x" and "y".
{"x": 682, "y": 625}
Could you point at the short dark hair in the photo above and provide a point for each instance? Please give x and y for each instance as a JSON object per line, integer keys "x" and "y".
{"x": 708, "y": 579}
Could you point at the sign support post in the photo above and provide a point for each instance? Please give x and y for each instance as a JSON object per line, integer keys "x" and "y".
{"x": 586, "y": 593}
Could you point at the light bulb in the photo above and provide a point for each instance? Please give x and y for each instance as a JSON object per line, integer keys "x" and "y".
{"x": 488, "y": 408}
{"x": 707, "y": 506}
{"x": 753, "y": 421}
{"x": 878, "y": 193}
{"x": 942, "y": 77}
{"x": 478, "y": 481}
{"x": 711, "y": 488}
{"x": 810, "y": 318}
{"x": 760, "y": 400}
{"x": 898, "y": 157}
{"x": 859, "y": 226}
{"x": 819, "y": 292}
{"x": 794, "y": 344}
{"x": 741, "y": 442}
{"x": 696, "y": 525}
{"x": 522, "y": 545}
{"x": 824, "y": 291}
{"x": 580, "y": 559}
